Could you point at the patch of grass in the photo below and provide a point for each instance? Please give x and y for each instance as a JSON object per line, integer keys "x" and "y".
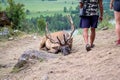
{"x": 41, "y": 59}
{"x": 105, "y": 23}
{"x": 79, "y": 31}
{"x": 45, "y": 13}
{"x": 39, "y": 7}
{"x": 11, "y": 34}
{"x": 15, "y": 70}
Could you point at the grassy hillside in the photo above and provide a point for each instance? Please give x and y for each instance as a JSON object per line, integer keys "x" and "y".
{"x": 47, "y": 5}
{"x": 38, "y": 7}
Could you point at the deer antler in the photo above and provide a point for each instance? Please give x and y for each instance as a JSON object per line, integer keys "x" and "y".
{"x": 49, "y": 37}
{"x": 72, "y": 26}
{"x": 64, "y": 39}
{"x": 59, "y": 41}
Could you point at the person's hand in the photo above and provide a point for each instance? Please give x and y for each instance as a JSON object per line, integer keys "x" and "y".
{"x": 100, "y": 18}
{"x": 111, "y": 5}
{"x": 81, "y": 5}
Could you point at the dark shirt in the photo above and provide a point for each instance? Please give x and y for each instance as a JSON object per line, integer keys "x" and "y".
{"x": 91, "y": 7}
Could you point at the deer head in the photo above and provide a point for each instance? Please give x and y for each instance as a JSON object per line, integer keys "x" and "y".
{"x": 65, "y": 47}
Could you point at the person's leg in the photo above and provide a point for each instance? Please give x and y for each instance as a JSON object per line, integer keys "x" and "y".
{"x": 117, "y": 26}
{"x": 94, "y": 22}
{"x": 92, "y": 36}
{"x": 85, "y": 35}
{"x": 85, "y": 24}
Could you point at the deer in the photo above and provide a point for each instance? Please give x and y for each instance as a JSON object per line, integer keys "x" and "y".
{"x": 60, "y": 41}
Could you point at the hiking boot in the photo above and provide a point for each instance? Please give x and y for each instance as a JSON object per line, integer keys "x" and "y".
{"x": 88, "y": 47}
{"x": 92, "y": 46}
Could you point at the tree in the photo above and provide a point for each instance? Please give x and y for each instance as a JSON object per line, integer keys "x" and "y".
{"x": 0, "y": 6}
{"x": 41, "y": 25}
{"x": 65, "y": 9}
{"x": 70, "y": 9}
{"x": 77, "y": 8}
{"x": 4, "y": 2}
{"x": 16, "y": 13}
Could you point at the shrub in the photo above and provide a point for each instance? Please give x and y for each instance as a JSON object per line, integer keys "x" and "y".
{"x": 15, "y": 12}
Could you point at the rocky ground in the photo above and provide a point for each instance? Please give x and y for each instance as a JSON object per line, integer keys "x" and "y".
{"x": 101, "y": 63}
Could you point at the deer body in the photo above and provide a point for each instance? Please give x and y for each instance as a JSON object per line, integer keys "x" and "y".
{"x": 54, "y": 47}
{"x": 59, "y": 34}
{"x": 60, "y": 41}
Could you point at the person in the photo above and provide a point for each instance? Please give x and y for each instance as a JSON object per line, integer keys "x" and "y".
{"x": 115, "y": 4}
{"x": 90, "y": 12}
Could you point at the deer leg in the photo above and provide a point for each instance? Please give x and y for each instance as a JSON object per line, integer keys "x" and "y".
{"x": 44, "y": 48}
{"x": 42, "y": 43}
{"x": 53, "y": 51}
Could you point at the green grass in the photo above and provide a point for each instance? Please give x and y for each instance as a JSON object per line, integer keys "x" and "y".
{"x": 48, "y": 6}
{"x": 45, "y": 13}
{"x": 38, "y": 7}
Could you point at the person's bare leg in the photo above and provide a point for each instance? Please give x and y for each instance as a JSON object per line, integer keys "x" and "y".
{"x": 85, "y": 35}
{"x": 117, "y": 26}
{"x": 92, "y": 36}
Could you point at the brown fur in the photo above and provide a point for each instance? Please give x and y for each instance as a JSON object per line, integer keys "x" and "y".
{"x": 46, "y": 43}
{"x": 57, "y": 41}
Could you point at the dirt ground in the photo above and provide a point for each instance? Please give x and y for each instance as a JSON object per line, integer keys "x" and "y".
{"x": 101, "y": 63}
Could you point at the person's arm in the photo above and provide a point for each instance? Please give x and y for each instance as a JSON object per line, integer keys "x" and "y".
{"x": 81, "y": 3}
{"x": 111, "y": 4}
{"x": 101, "y": 10}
